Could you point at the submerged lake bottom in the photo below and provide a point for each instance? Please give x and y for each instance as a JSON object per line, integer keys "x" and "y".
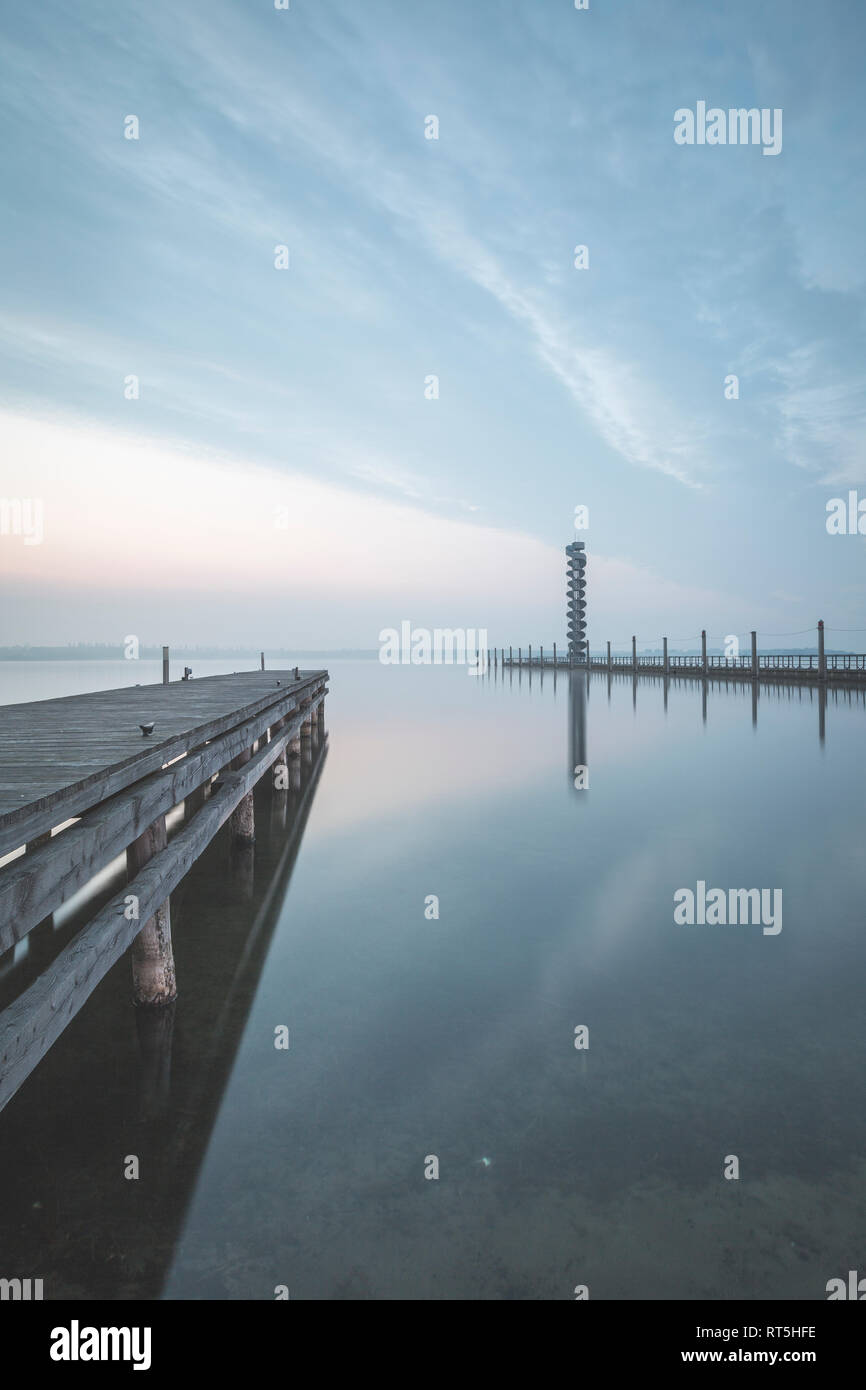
{"x": 440, "y": 1035}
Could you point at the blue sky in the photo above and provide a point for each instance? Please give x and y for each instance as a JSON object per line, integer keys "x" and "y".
{"x": 303, "y": 389}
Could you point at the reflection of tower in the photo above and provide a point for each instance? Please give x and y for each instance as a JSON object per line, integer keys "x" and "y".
{"x": 577, "y": 681}
{"x": 576, "y": 553}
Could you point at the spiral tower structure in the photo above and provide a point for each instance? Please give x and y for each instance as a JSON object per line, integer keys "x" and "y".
{"x": 576, "y": 553}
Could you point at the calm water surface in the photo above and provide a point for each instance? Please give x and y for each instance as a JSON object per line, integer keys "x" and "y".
{"x": 412, "y": 1037}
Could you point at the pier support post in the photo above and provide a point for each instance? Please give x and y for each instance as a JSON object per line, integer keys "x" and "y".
{"x": 306, "y": 734}
{"x": 519, "y": 656}
{"x": 634, "y": 653}
{"x": 665, "y": 648}
{"x": 822, "y": 659}
{"x": 608, "y": 656}
{"x": 294, "y": 752}
{"x": 153, "y": 978}
{"x": 243, "y": 817}
{"x": 280, "y": 775}
{"x": 510, "y": 655}
{"x": 530, "y": 656}
{"x": 554, "y": 656}
{"x": 165, "y": 665}
{"x": 704, "y": 651}
{"x": 154, "y": 1029}
{"x": 263, "y": 660}
{"x": 541, "y": 657}
{"x": 754, "y": 656}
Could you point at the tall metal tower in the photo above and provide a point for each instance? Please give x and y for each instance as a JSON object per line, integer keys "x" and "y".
{"x": 576, "y": 553}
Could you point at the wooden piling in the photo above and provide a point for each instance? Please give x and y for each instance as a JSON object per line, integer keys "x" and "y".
{"x": 263, "y": 660}
{"x": 608, "y": 656}
{"x": 822, "y": 660}
{"x": 243, "y": 817}
{"x": 704, "y": 650}
{"x": 634, "y": 653}
{"x": 153, "y": 978}
{"x": 165, "y": 665}
{"x": 754, "y": 656}
{"x": 280, "y": 770}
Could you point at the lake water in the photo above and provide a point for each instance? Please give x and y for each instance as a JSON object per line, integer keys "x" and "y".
{"x": 413, "y": 1037}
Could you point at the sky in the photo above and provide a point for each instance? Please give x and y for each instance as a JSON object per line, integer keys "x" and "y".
{"x": 281, "y": 471}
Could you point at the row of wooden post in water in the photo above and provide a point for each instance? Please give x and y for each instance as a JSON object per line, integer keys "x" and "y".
{"x": 805, "y": 666}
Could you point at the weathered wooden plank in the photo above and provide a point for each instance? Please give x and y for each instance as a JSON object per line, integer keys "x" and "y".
{"x": 34, "y": 885}
{"x": 30, "y": 1025}
{"x": 60, "y": 757}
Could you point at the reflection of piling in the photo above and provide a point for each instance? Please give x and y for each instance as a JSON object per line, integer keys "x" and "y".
{"x": 155, "y": 1030}
{"x": 822, "y": 713}
{"x": 577, "y": 751}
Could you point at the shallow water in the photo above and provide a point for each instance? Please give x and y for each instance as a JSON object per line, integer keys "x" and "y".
{"x": 454, "y": 1037}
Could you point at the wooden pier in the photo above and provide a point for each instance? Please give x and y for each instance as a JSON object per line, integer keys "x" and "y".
{"x": 82, "y": 783}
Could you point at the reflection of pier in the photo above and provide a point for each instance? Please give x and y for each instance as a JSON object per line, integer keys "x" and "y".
{"x": 155, "y": 1090}
{"x": 581, "y": 681}
{"x": 81, "y": 785}
{"x": 818, "y": 695}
